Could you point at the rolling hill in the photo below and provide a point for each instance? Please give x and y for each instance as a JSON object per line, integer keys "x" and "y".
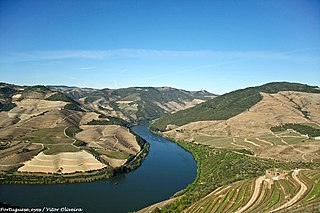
{"x": 62, "y": 130}
{"x": 231, "y": 104}
{"x": 136, "y": 103}
{"x": 278, "y": 120}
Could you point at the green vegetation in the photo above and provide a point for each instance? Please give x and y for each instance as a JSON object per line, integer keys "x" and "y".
{"x": 73, "y": 106}
{"x": 36, "y": 88}
{"x": 79, "y": 143}
{"x": 227, "y": 105}
{"x": 60, "y": 97}
{"x": 91, "y": 99}
{"x": 133, "y": 162}
{"x": 53, "y": 149}
{"x": 110, "y": 121}
{"x": 15, "y": 177}
{"x": 217, "y": 167}
{"x": 47, "y": 136}
{"x": 53, "y": 139}
{"x": 6, "y": 89}
{"x": 245, "y": 151}
{"x": 303, "y": 129}
{"x": 71, "y": 131}
{"x": 38, "y": 91}
{"x": 7, "y": 106}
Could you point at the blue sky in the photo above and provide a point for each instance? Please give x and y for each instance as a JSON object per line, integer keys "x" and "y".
{"x": 214, "y": 45}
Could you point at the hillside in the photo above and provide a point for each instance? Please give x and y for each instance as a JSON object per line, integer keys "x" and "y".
{"x": 63, "y": 130}
{"x": 136, "y": 103}
{"x": 46, "y": 131}
{"x": 255, "y": 119}
{"x": 229, "y": 105}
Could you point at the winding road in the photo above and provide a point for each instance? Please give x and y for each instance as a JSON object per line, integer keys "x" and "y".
{"x": 255, "y": 195}
{"x": 296, "y": 198}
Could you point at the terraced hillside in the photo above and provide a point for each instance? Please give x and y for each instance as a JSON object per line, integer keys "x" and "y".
{"x": 263, "y": 194}
{"x": 236, "y": 138}
{"x": 252, "y": 128}
{"x": 136, "y": 103}
{"x": 62, "y": 130}
{"x": 38, "y": 133}
{"x": 231, "y": 180}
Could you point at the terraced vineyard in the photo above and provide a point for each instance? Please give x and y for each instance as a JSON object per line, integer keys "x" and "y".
{"x": 284, "y": 145}
{"x": 293, "y": 190}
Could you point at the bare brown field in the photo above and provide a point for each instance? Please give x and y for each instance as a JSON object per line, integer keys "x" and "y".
{"x": 89, "y": 116}
{"x": 107, "y": 109}
{"x": 173, "y": 106}
{"x": 65, "y": 162}
{"x": 113, "y": 162}
{"x": 5, "y": 120}
{"x": 112, "y": 137}
{"x": 114, "y": 143}
{"x": 28, "y": 108}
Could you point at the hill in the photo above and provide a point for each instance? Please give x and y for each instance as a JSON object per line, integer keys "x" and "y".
{"x": 41, "y": 131}
{"x": 136, "y": 103}
{"x": 229, "y": 105}
{"x": 40, "y": 126}
{"x": 275, "y": 120}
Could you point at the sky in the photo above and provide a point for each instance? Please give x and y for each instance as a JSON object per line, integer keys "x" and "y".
{"x": 214, "y": 45}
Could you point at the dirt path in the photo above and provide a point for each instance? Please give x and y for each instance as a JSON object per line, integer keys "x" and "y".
{"x": 117, "y": 141}
{"x": 264, "y": 141}
{"x": 303, "y": 154}
{"x": 296, "y": 198}
{"x": 74, "y": 140}
{"x": 251, "y": 142}
{"x": 255, "y": 195}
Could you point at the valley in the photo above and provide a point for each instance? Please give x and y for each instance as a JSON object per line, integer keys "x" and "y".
{"x": 67, "y": 131}
{"x": 257, "y": 147}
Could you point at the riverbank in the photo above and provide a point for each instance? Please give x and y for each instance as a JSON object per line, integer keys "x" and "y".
{"x": 133, "y": 162}
{"x": 219, "y": 167}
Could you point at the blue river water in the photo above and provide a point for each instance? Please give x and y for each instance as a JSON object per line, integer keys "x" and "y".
{"x": 167, "y": 169}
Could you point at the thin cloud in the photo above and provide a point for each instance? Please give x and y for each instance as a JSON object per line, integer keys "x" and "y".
{"x": 197, "y": 68}
{"x": 293, "y": 55}
{"x": 87, "y": 68}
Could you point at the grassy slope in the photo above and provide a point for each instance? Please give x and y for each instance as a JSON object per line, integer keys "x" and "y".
{"x": 228, "y": 105}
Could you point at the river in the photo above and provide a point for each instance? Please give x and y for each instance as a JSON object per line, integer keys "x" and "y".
{"x": 167, "y": 169}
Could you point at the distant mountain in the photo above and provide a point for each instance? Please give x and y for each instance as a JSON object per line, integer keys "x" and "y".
{"x": 232, "y": 104}
{"x": 136, "y": 103}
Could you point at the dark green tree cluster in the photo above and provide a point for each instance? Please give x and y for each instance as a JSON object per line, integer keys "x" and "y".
{"x": 302, "y": 129}
{"x": 7, "y": 106}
